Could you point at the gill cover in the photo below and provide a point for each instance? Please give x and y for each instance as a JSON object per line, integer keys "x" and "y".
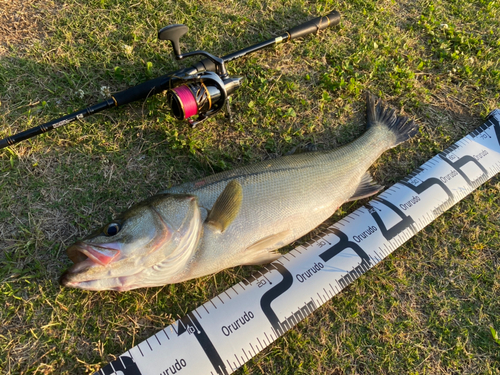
{"x": 155, "y": 239}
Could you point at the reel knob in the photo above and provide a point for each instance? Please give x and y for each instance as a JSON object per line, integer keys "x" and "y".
{"x": 173, "y": 33}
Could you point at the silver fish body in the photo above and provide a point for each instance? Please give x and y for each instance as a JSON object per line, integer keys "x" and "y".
{"x": 242, "y": 216}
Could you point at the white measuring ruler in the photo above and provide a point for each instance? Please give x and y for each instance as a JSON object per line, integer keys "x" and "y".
{"x": 221, "y": 335}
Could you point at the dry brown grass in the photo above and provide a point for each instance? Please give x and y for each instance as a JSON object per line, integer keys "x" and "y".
{"x": 22, "y": 22}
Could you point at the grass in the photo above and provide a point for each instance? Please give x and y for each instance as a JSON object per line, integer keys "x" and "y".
{"x": 430, "y": 308}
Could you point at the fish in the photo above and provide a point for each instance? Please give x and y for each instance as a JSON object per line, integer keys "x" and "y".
{"x": 236, "y": 217}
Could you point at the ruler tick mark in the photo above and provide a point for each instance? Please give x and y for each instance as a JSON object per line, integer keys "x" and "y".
{"x": 172, "y": 326}
{"x": 199, "y": 316}
{"x": 261, "y": 346}
{"x": 239, "y": 364}
{"x": 254, "y": 352}
{"x": 320, "y": 298}
{"x": 327, "y": 294}
{"x": 248, "y": 358}
{"x": 269, "y": 341}
{"x": 194, "y": 324}
{"x": 332, "y": 287}
{"x": 205, "y": 309}
{"x": 264, "y": 276}
{"x": 181, "y": 322}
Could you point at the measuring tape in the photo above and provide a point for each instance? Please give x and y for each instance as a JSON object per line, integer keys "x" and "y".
{"x": 221, "y": 335}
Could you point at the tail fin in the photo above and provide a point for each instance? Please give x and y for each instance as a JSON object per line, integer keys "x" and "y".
{"x": 379, "y": 115}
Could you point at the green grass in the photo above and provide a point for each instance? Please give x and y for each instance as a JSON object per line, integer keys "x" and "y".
{"x": 432, "y": 307}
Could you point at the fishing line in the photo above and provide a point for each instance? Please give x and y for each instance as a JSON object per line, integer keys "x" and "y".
{"x": 187, "y": 105}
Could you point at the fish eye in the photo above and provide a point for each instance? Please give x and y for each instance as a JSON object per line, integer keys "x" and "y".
{"x": 112, "y": 228}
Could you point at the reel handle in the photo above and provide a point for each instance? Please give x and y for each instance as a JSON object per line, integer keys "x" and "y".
{"x": 173, "y": 33}
{"x": 314, "y": 25}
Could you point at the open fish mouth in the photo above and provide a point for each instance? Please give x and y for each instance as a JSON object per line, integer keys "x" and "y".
{"x": 86, "y": 256}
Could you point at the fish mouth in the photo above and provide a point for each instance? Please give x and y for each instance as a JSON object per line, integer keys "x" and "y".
{"x": 86, "y": 257}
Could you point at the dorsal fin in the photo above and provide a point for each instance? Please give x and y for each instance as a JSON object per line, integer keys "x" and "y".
{"x": 308, "y": 147}
{"x": 226, "y": 207}
{"x": 365, "y": 188}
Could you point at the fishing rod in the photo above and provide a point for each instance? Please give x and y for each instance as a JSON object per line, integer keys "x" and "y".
{"x": 194, "y": 93}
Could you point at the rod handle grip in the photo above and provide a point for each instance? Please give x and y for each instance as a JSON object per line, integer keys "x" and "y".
{"x": 142, "y": 91}
{"x": 315, "y": 25}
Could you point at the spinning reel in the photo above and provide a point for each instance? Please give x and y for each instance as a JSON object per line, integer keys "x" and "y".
{"x": 203, "y": 93}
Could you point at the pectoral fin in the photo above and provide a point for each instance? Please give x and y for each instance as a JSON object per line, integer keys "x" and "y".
{"x": 226, "y": 207}
{"x": 264, "y": 250}
{"x": 366, "y": 188}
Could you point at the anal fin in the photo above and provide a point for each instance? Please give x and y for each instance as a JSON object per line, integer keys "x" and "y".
{"x": 366, "y": 188}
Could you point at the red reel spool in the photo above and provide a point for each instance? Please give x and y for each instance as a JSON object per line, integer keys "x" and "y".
{"x": 186, "y": 101}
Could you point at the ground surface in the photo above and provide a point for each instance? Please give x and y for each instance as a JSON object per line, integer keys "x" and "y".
{"x": 427, "y": 309}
